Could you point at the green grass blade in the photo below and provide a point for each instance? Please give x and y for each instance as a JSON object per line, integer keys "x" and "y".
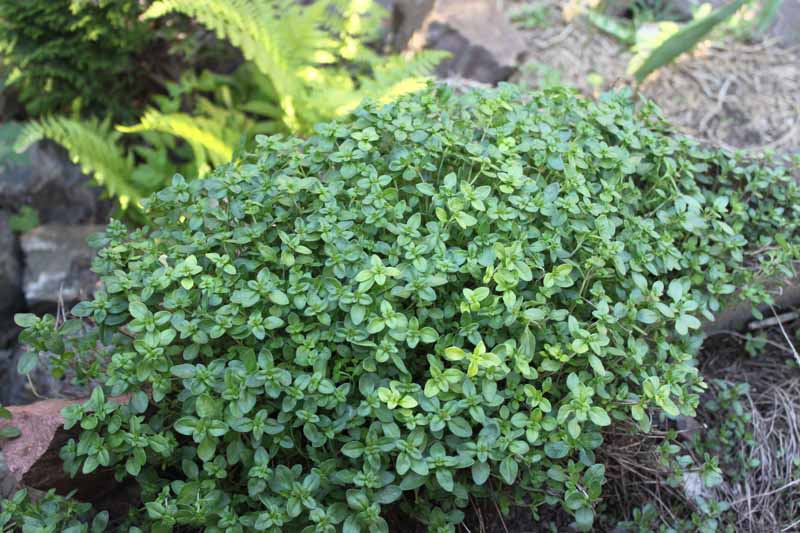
{"x": 767, "y": 15}
{"x": 684, "y": 40}
{"x": 621, "y": 29}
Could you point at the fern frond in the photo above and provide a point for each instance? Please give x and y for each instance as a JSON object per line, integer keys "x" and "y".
{"x": 397, "y": 75}
{"x": 278, "y": 36}
{"x": 312, "y": 59}
{"x": 197, "y": 131}
{"x": 93, "y": 146}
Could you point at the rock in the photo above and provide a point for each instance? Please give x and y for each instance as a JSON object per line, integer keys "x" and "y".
{"x": 786, "y": 27}
{"x": 8, "y": 483}
{"x": 484, "y": 44}
{"x": 17, "y": 389}
{"x": 32, "y": 459}
{"x": 41, "y": 430}
{"x": 785, "y": 294}
{"x": 12, "y": 384}
{"x": 688, "y": 427}
{"x": 57, "y": 260}
{"x": 10, "y": 271}
{"x": 693, "y": 486}
{"x": 47, "y": 181}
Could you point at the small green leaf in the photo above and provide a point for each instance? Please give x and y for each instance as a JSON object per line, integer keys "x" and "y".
{"x": 184, "y": 371}
{"x": 139, "y": 402}
{"x": 454, "y": 353}
{"x": 27, "y": 363}
{"x": 647, "y": 316}
{"x": 480, "y": 472}
{"x": 584, "y": 518}
{"x": 25, "y": 320}
{"x": 599, "y": 416}
{"x": 9, "y": 432}
{"x": 137, "y": 310}
{"x": 556, "y": 450}
{"x": 508, "y": 470}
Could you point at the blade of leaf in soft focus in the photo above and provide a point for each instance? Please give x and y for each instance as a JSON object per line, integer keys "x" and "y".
{"x": 619, "y": 28}
{"x": 685, "y": 39}
{"x": 766, "y": 15}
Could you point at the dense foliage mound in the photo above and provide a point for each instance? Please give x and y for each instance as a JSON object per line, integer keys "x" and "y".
{"x": 449, "y": 297}
{"x": 64, "y": 55}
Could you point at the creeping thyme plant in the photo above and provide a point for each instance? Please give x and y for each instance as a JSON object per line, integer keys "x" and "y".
{"x": 443, "y": 299}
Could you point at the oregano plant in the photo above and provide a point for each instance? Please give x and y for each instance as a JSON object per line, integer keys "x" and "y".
{"x": 442, "y": 299}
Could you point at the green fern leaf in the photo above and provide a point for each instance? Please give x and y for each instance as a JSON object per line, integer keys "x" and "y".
{"x": 93, "y": 146}
{"x": 279, "y": 37}
{"x": 209, "y": 148}
{"x": 399, "y": 75}
{"x": 313, "y": 60}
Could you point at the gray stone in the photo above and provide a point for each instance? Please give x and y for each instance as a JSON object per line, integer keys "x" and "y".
{"x": 694, "y": 487}
{"x": 8, "y": 483}
{"x": 15, "y": 388}
{"x": 47, "y": 181}
{"x": 786, "y": 27}
{"x": 57, "y": 260}
{"x": 485, "y": 46}
{"x": 10, "y": 271}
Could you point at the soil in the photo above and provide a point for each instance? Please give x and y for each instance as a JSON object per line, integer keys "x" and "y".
{"x": 732, "y": 93}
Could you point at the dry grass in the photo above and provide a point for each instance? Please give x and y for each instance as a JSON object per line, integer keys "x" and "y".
{"x": 765, "y": 498}
{"x": 768, "y": 498}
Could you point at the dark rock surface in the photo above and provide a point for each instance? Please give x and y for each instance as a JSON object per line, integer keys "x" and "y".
{"x": 8, "y": 483}
{"x": 485, "y": 46}
{"x": 44, "y": 179}
{"x": 10, "y": 270}
{"x": 57, "y": 261}
{"x": 786, "y": 27}
{"x": 17, "y": 389}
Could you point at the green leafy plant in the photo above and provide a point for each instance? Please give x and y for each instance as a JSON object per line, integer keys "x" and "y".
{"x": 306, "y": 64}
{"x": 92, "y": 145}
{"x": 49, "y": 512}
{"x": 534, "y": 15}
{"x": 7, "y": 432}
{"x": 752, "y": 22}
{"x": 25, "y": 220}
{"x": 656, "y": 40}
{"x": 685, "y": 39}
{"x": 62, "y": 55}
{"x": 311, "y": 62}
{"x": 442, "y": 299}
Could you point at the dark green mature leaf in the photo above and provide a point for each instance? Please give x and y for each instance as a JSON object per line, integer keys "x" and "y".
{"x": 9, "y": 432}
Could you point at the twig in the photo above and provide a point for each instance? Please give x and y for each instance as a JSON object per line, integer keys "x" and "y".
{"x": 770, "y": 493}
{"x": 769, "y": 322}
{"x": 718, "y": 107}
{"x": 555, "y": 40}
{"x": 786, "y": 336}
{"x": 745, "y": 337}
{"x": 33, "y": 387}
{"x": 791, "y": 526}
{"x": 500, "y": 515}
